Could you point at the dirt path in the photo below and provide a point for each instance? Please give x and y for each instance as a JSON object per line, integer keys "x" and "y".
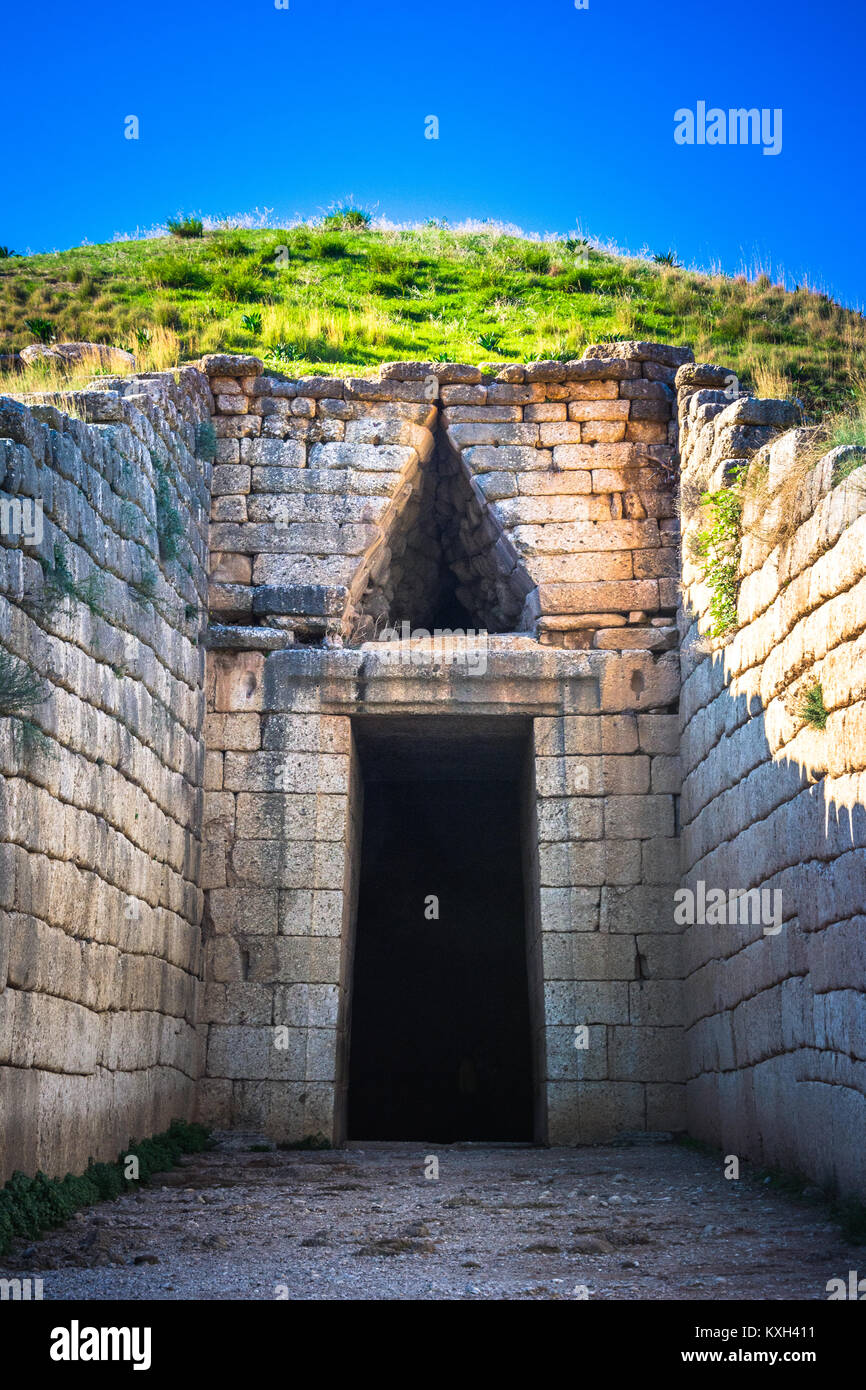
{"x": 641, "y": 1221}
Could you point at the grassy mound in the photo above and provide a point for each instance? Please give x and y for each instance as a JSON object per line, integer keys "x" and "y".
{"x": 340, "y": 297}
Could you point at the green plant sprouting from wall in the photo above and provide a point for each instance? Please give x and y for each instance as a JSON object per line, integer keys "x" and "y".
{"x": 145, "y": 588}
{"x": 206, "y": 441}
{"x": 20, "y": 688}
{"x": 718, "y": 546}
{"x": 61, "y": 584}
{"x": 31, "y": 1206}
{"x": 169, "y": 524}
{"x": 812, "y": 707}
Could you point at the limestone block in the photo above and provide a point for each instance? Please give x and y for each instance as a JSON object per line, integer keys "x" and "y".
{"x": 233, "y": 404}
{"x": 665, "y": 1107}
{"x": 516, "y": 458}
{"x": 640, "y": 681}
{"x": 554, "y": 484}
{"x": 645, "y": 432}
{"x": 239, "y": 681}
{"x": 656, "y": 1003}
{"x": 593, "y": 1112}
{"x": 582, "y": 391}
{"x": 569, "y": 909}
{"x": 576, "y": 1002}
{"x": 596, "y": 411}
{"x": 588, "y": 567}
{"x": 367, "y": 457}
{"x": 239, "y": 732}
{"x": 288, "y": 771}
{"x": 482, "y": 414}
{"x": 614, "y": 535}
{"x": 638, "y": 817}
{"x": 661, "y": 957}
{"x": 660, "y": 860}
{"x": 643, "y": 908}
{"x": 573, "y": 734}
{"x": 603, "y": 431}
{"x": 308, "y": 960}
{"x": 291, "y": 816}
{"x": 289, "y": 864}
{"x": 646, "y": 1054}
{"x": 566, "y": 1062}
{"x": 587, "y": 956}
{"x": 307, "y": 733}
{"x": 666, "y": 774}
{"x": 650, "y": 410}
{"x": 243, "y": 911}
{"x": 306, "y": 1006}
{"x": 588, "y": 862}
{"x": 544, "y": 414}
{"x": 570, "y": 818}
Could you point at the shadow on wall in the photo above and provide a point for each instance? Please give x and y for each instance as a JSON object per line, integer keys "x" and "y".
{"x": 776, "y": 961}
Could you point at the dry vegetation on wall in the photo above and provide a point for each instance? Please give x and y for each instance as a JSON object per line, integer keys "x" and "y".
{"x": 341, "y": 293}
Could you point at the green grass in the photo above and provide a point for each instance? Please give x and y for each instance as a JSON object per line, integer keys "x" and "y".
{"x": 848, "y": 466}
{"x": 342, "y": 298}
{"x": 31, "y": 1206}
{"x": 186, "y": 227}
{"x": 849, "y": 428}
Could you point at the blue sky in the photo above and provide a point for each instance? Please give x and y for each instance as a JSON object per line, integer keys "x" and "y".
{"x": 549, "y": 117}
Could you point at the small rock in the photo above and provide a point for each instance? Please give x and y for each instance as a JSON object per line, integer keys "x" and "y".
{"x": 591, "y": 1245}
{"x": 215, "y": 1242}
{"x": 316, "y": 1241}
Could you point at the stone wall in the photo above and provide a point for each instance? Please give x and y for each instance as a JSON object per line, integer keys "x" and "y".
{"x": 776, "y": 1018}
{"x": 600, "y": 837}
{"x": 100, "y": 783}
{"x": 546, "y": 491}
{"x": 539, "y": 501}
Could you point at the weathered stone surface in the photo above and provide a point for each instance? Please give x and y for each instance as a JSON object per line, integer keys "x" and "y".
{"x": 113, "y": 359}
{"x": 323, "y": 517}
{"x": 232, "y": 365}
{"x": 643, "y": 352}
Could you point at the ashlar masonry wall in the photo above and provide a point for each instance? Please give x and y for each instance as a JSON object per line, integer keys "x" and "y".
{"x": 776, "y": 1009}
{"x": 135, "y": 867}
{"x": 546, "y": 490}
{"x": 101, "y": 782}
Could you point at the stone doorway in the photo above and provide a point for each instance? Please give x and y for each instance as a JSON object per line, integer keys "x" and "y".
{"x": 440, "y": 1037}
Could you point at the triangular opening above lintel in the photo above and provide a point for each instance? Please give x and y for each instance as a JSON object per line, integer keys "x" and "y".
{"x": 448, "y": 563}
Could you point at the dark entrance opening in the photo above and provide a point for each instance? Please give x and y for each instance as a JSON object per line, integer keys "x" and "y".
{"x": 440, "y": 1045}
